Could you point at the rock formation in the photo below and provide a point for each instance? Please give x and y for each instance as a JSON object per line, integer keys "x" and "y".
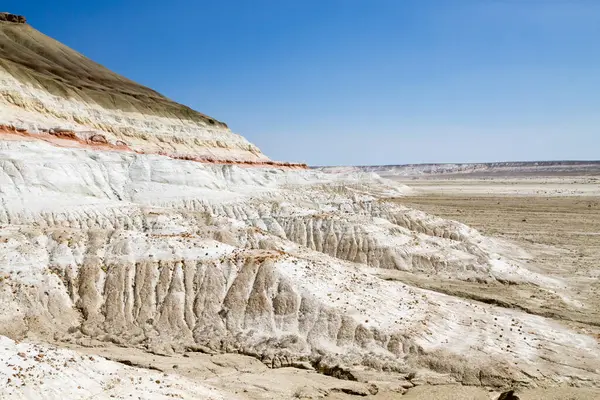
{"x": 8, "y": 17}
{"x": 47, "y": 87}
{"x": 508, "y": 169}
{"x": 112, "y": 231}
{"x": 510, "y": 395}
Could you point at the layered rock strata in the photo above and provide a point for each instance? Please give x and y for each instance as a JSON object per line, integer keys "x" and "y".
{"x": 46, "y": 87}
{"x": 168, "y": 255}
{"x": 112, "y": 231}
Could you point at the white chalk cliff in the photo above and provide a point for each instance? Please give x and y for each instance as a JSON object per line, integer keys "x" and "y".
{"x": 113, "y": 230}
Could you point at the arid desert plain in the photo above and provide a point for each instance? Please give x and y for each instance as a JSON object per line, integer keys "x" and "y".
{"x": 149, "y": 252}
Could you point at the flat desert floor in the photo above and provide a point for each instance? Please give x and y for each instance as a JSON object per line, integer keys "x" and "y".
{"x": 556, "y": 221}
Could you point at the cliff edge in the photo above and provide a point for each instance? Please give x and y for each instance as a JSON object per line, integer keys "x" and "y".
{"x": 49, "y": 90}
{"x": 8, "y": 17}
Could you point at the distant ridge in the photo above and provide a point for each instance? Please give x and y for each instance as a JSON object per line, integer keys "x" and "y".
{"x": 564, "y": 167}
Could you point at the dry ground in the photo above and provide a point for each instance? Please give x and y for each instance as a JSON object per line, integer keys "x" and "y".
{"x": 558, "y": 225}
{"x": 561, "y": 233}
{"x": 247, "y": 378}
{"x": 518, "y": 186}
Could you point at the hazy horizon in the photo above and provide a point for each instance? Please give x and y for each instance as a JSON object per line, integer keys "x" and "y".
{"x": 361, "y": 83}
{"x": 450, "y": 163}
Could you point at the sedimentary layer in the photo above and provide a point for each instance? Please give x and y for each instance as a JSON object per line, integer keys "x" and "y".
{"x": 48, "y": 87}
{"x": 168, "y": 255}
{"x": 126, "y": 218}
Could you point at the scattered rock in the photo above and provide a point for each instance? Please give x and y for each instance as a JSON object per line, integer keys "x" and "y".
{"x": 373, "y": 389}
{"x": 510, "y": 395}
{"x": 8, "y": 17}
{"x": 302, "y": 365}
{"x": 98, "y": 139}
{"x": 354, "y": 391}
{"x": 197, "y": 348}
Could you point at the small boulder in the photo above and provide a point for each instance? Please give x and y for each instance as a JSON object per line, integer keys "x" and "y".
{"x": 8, "y": 17}
{"x": 98, "y": 139}
{"x": 510, "y": 395}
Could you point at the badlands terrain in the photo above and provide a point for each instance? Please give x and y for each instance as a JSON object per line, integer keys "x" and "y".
{"x": 146, "y": 251}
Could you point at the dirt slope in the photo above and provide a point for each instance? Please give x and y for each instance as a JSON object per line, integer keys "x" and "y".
{"x": 37, "y": 59}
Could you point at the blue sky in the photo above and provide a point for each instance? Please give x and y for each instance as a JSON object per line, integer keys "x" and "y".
{"x": 332, "y": 82}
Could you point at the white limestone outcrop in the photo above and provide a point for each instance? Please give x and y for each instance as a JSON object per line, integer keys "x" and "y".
{"x": 168, "y": 255}
{"x": 36, "y": 371}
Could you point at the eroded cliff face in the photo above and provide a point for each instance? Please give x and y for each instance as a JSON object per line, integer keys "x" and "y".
{"x": 168, "y": 255}
{"x": 46, "y": 87}
{"x": 112, "y": 231}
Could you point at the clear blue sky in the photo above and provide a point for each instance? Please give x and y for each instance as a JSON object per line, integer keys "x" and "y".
{"x": 333, "y": 82}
